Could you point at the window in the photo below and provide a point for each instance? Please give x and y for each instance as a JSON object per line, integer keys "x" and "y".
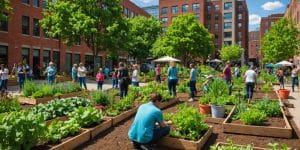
{"x": 4, "y": 24}
{"x": 228, "y": 6}
{"x": 227, "y": 34}
{"x": 126, "y": 12}
{"x": 217, "y": 7}
{"x": 25, "y": 25}
{"x": 36, "y": 27}
{"x": 36, "y": 3}
{"x": 3, "y": 54}
{"x": 164, "y": 20}
{"x": 216, "y": 36}
{"x": 240, "y": 16}
{"x": 174, "y": 9}
{"x": 240, "y": 25}
{"x": 216, "y": 16}
{"x": 239, "y": 35}
{"x": 46, "y": 57}
{"x": 197, "y": 15}
{"x": 45, "y": 33}
{"x": 239, "y": 43}
{"x": 44, "y": 3}
{"x": 266, "y": 24}
{"x": 208, "y": 16}
{"x": 25, "y": 2}
{"x": 208, "y": 8}
{"x": 25, "y": 55}
{"x": 185, "y": 8}
{"x": 216, "y": 26}
{"x": 68, "y": 63}
{"x": 240, "y": 7}
{"x": 227, "y": 15}
{"x": 228, "y": 42}
{"x": 56, "y": 59}
{"x": 208, "y": 26}
{"x": 76, "y": 58}
{"x": 227, "y": 25}
{"x": 196, "y": 6}
{"x": 164, "y": 10}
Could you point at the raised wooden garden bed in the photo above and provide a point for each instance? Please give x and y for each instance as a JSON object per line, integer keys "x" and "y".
{"x": 209, "y": 119}
{"x": 183, "y": 96}
{"x": 281, "y": 132}
{"x": 73, "y": 142}
{"x": 121, "y": 117}
{"x": 163, "y": 105}
{"x": 226, "y": 144}
{"x": 12, "y": 82}
{"x": 175, "y": 143}
{"x": 35, "y": 101}
{"x": 63, "y": 79}
{"x": 262, "y": 94}
{"x": 101, "y": 127}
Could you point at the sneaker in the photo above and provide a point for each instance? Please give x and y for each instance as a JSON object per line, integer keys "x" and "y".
{"x": 191, "y": 100}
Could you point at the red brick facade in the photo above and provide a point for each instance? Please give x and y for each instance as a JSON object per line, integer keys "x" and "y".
{"x": 13, "y": 41}
{"x": 254, "y": 45}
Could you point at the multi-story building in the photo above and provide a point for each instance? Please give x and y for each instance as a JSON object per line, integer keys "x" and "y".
{"x": 153, "y": 11}
{"x": 254, "y": 46}
{"x": 227, "y": 20}
{"x": 22, "y": 39}
{"x": 267, "y": 22}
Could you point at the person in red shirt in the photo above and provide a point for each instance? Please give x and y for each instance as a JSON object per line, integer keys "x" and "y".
{"x": 227, "y": 76}
{"x": 100, "y": 79}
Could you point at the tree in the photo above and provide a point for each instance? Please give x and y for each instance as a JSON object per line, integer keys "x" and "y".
{"x": 98, "y": 23}
{"x": 143, "y": 32}
{"x": 185, "y": 39}
{"x": 282, "y": 42}
{"x": 231, "y": 52}
{"x": 4, "y": 6}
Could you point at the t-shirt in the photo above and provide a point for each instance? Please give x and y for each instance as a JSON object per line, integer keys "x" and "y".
{"x": 236, "y": 70}
{"x": 172, "y": 73}
{"x": 194, "y": 74}
{"x": 227, "y": 73}
{"x": 81, "y": 72}
{"x": 123, "y": 72}
{"x": 135, "y": 76}
{"x": 21, "y": 72}
{"x": 4, "y": 74}
{"x": 294, "y": 72}
{"x": 50, "y": 71}
{"x": 157, "y": 70}
{"x": 100, "y": 77}
{"x": 106, "y": 71}
{"x": 250, "y": 76}
{"x": 141, "y": 130}
{"x": 74, "y": 71}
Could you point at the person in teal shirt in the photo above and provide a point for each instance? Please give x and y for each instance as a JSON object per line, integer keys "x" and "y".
{"x": 51, "y": 73}
{"x": 172, "y": 78}
{"x": 192, "y": 82}
{"x": 143, "y": 130}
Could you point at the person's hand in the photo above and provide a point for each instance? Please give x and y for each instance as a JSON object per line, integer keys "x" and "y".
{"x": 169, "y": 122}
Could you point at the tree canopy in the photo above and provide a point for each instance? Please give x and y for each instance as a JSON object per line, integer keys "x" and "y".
{"x": 4, "y": 6}
{"x": 143, "y": 32}
{"x": 282, "y": 41}
{"x": 231, "y": 52}
{"x": 185, "y": 39}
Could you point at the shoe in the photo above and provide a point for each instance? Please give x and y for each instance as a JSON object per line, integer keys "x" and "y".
{"x": 191, "y": 100}
{"x": 145, "y": 147}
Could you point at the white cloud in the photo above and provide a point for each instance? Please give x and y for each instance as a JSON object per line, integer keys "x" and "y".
{"x": 272, "y": 5}
{"x": 254, "y": 19}
{"x": 147, "y": 1}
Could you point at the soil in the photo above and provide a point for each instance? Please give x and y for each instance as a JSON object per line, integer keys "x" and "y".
{"x": 270, "y": 122}
{"x": 26, "y": 106}
{"x": 116, "y": 138}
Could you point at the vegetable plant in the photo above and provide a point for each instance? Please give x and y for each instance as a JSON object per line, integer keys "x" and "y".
{"x": 87, "y": 116}
{"x": 267, "y": 87}
{"x": 253, "y": 117}
{"x": 99, "y": 98}
{"x": 9, "y": 104}
{"x": 269, "y": 107}
{"x": 231, "y": 146}
{"x": 183, "y": 88}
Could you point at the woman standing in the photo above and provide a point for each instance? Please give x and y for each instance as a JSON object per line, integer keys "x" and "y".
{"x": 294, "y": 75}
{"x": 50, "y": 73}
{"x": 135, "y": 76}
{"x": 100, "y": 79}
{"x": 172, "y": 78}
{"x": 4, "y": 77}
{"x": 74, "y": 73}
{"x": 21, "y": 75}
{"x": 192, "y": 83}
{"x": 124, "y": 79}
{"x": 81, "y": 73}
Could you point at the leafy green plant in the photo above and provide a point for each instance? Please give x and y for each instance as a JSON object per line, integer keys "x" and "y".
{"x": 21, "y": 130}
{"x": 117, "y": 107}
{"x": 9, "y": 104}
{"x": 253, "y": 117}
{"x": 231, "y": 146}
{"x": 220, "y": 101}
{"x": 269, "y": 107}
{"x": 267, "y": 87}
{"x": 183, "y": 88}
{"x": 204, "y": 100}
{"x": 29, "y": 88}
{"x": 99, "y": 98}
{"x": 87, "y": 116}
{"x": 188, "y": 123}
{"x": 276, "y": 146}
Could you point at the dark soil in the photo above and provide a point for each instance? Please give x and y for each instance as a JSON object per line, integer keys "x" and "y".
{"x": 270, "y": 122}
{"x": 26, "y": 106}
{"x": 116, "y": 138}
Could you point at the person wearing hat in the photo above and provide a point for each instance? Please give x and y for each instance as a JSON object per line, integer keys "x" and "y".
{"x": 50, "y": 70}
{"x": 148, "y": 126}
{"x": 135, "y": 76}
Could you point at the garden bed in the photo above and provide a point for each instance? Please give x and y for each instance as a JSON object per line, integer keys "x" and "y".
{"x": 123, "y": 116}
{"x": 271, "y": 128}
{"x": 163, "y": 105}
{"x": 226, "y": 144}
{"x": 63, "y": 79}
{"x": 262, "y": 94}
{"x": 106, "y": 124}
{"x": 176, "y": 143}
{"x": 209, "y": 119}
{"x": 183, "y": 96}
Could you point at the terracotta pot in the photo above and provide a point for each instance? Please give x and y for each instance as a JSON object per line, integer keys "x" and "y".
{"x": 283, "y": 93}
{"x": 204, "y": 109}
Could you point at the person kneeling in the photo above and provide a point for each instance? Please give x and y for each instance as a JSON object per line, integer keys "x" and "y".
{"x": 143, "y": 130}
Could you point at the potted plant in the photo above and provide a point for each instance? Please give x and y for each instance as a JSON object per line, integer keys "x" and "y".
{"x": 204, "y": 106}
{"x": 218, "y": 106}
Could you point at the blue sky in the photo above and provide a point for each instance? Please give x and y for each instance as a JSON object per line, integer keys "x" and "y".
{"x": 257, "y": 9}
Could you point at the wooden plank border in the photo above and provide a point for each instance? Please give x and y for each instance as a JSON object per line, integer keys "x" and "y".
{"x": 226, "y": 144}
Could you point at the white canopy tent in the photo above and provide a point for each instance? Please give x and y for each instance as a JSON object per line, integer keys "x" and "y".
{"x": 216, "y": 61}
{"x": 166, "y": 59}
{"x": 284, "y": 63}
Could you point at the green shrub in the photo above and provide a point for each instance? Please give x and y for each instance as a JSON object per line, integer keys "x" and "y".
{"x": 253, "y": 117}
{"x": 267, "y": 87}
{"x": 99, "y": 98}
{"x": 269, "y": 107}
{"x": 9, "y": 104}
{"x": 183, "y": 88}
{"x": 29, "y": 88}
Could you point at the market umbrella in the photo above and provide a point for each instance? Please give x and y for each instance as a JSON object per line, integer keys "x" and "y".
{"x": 216, "y": 61}
{"x": 271, "y": 65}
{"x": 166, "y": 59}
{"x": 284, "y": 63}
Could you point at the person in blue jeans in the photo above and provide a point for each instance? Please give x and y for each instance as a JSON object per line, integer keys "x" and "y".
{"x": 21, "y": 75}
{"x": 192, "y": 82}
{"x": 172, "y": 78}
{"x": 51, "y": 73}
{"x": 148, "y": 126}
{"x": 295, "y": 79}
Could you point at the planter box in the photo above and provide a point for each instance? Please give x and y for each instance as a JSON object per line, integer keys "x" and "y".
{"x": 163, "y": 105}
{"x": 175, "y": 143}
{"x": 183, "y": 96}
{"x": 73, "y": 142}
{"x": 285, "y": 132}
{"x": 218, "y": 120}
{"x": 63, "y": 79}
{"x": 100, "y": 128}
{"x": 12, "y": 82}
{"x": 226, "y": 144}
{"x": 261, "y": 94}
{"x": 35, "y": 101}
{"x": 121, "y": 117}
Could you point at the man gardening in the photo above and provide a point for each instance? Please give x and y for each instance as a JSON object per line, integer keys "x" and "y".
{"x": 148, "y": 125}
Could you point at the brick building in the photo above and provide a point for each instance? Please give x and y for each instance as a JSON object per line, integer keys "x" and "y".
{"x": 21, "y": 38}
{"x": 153, "y": 11}
{"x": 254, "y": 46}
{"x": 227, "y": 20}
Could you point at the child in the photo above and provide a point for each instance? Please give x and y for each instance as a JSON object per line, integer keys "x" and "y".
{"x": 100, "y": 79}
{"x": 206, "y": 84}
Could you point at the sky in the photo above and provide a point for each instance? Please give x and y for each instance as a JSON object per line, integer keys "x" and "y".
{"x": 257, "y": 9}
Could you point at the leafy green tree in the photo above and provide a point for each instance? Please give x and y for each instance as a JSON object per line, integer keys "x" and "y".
{"x": 143, "y": 32}
{"x": 185, "y": 39}
{"x": 282, "y": 42}
{"x": 4, "y": 6}
{"x": 98, "y": 23}
{"x": 231, "y": 52}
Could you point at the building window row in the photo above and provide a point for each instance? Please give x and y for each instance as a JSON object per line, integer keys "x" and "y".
{"x": 36, "y": 3}
{"x": 209, "y": 8}
{"x": 128, "y": 13}
{"x": 228, "y": 6}
{"x": 228, "y": 15}
{"x": 4, "y": 24}
{"x": 184, "y": 8}
{"x": 227, "y": 25}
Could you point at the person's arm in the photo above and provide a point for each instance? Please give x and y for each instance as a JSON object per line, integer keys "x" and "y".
{"x": 168, "y": 72}
{"x": 191, "y": 74}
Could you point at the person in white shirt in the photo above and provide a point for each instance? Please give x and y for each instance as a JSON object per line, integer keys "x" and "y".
{"x": 81, "y": 74}
{"x": 250, "y": 81}
{"x": 4, "y": 73}
{"x": 237, "y": 71}
{"x": 135, "y": 76}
